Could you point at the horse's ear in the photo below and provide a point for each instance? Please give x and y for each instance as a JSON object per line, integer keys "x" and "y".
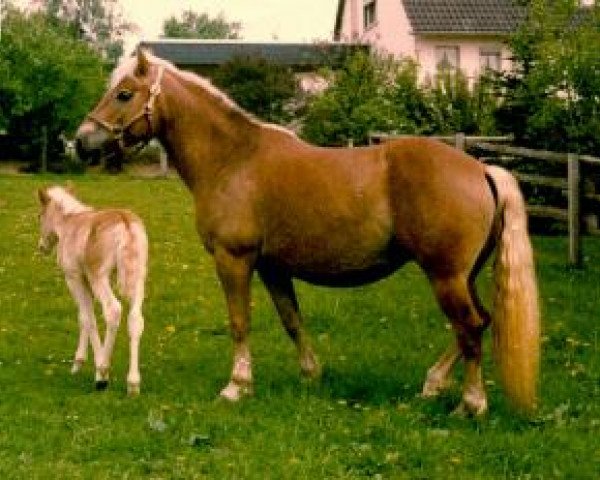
{"x": 70, "y": 187}
{"x": 43, "y": 196}
{"x": 143, "y": 64}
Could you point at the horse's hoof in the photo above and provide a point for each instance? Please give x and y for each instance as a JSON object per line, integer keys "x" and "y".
{"x": 234, "y": 391}
{"x": 133, "y": 389}
{"x": 314, "y": 372}
{"x": 101, "y": 385}
{"x": 470, "y": 410}
{"x": 433, "y": 387}
{"x": 77, "y": 364}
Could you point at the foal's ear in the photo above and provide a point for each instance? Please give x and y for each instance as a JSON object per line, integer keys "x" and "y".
{"x": 143, "y": 64}
{"x": 70, "y": 187}
{"x": 43, "y": 196}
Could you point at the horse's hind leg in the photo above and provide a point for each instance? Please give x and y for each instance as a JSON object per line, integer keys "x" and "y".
{"x": 282, "y": 293}
{"x": 111, "y": 309}
{"x": 438, "y": 376}
{"x": 135, "y": 327}
{"x": 88, "y": 330}
{"x": 457, "y": 298}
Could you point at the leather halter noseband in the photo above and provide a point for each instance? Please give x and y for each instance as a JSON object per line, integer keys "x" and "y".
{"x": 118, "y": 130}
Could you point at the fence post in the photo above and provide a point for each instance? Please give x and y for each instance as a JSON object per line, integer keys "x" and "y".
{"x": 44, "y": 150}
{"x": 574, "y": 210}
{"x": 164, "y": 162}
{"x": 460, "y": 141}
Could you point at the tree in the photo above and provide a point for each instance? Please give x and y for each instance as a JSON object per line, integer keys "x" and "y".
{"x": 48, "y": 80}
{"x": 551, "y": 99}
{"x": 194, "y": 25}
{"x": 357, "y": 102}
{"x": 99, "y": 22}
{"x": 259, "y": 86}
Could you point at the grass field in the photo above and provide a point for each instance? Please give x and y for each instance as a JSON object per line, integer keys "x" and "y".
{"x": 364, "y": 419}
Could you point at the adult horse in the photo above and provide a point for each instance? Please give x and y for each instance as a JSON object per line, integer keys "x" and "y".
{"x": 268, "y": 202}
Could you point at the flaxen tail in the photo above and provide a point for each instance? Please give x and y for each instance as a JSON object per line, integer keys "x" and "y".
{"x": 515, "y": 317}
{"x": 132, "y": 261}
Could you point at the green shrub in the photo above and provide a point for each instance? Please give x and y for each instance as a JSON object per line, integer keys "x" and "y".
{"x": 371, "y": 93}
{"x": 259, "y": 86}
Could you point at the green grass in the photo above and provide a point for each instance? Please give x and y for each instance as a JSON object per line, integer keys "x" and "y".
{"x": 364, "y": 419}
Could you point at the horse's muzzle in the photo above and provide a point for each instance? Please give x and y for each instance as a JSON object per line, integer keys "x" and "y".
{"x": 91, "y": 140}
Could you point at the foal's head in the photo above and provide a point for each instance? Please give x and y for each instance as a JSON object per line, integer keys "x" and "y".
{"x": 56, "y": 202}
{"x": 125, "y": 118}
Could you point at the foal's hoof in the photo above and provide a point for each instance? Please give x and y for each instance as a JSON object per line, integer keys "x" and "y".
{"x": 235, "y": 391}
{"x": 77, "y": 364}
{"x": 133, "y": 389}
{"x": 101, "y": 385}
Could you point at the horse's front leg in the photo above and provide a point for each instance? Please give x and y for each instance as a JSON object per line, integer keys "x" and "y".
{"x": 282, "y": 293}
{"x": 234, "y": 273}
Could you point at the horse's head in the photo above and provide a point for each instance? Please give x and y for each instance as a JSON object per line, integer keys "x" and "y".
{"x": 48, "y": 219}
{"x": 125, "y": 118}
{"x": 57, "y": 202}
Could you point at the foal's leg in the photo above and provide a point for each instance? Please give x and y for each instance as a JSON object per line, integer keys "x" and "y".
{"x": 111, "y": 309}
{"x": 455, "y": 296}
{"x": 282, "y": 293}
{"x": 88, "y": 330}
{"x": 234, "y": 273}
{"x": 135, "y": 327}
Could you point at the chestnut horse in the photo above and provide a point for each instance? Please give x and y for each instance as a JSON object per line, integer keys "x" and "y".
{"x": 268, "y": 202}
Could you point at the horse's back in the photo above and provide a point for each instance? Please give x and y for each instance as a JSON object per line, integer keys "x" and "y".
{"x": 96, "y": 237}
{"x": 442, "y": 204}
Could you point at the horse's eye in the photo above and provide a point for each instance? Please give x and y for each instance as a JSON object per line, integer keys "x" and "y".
{"x": 124, "y": 95}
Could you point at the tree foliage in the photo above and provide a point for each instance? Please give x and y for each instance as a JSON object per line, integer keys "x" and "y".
{"x": 98, "y": 22}
{"x": 551, "y": 100}
{"x": 48, "y": 79}
{"x": 194, "y": 25}
{"x": 371, "y": 93}
{"x": 259, "y": 86}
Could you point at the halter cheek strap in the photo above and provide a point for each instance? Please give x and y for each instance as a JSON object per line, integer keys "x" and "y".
{"x": 118, "y": 130}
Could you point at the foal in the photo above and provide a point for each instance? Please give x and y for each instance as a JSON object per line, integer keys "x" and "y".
{"x": 91, "y": 243}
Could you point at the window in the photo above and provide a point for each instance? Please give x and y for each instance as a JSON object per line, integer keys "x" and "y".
{"x": 489, "y": 60}
{"x": 447, "y": 59}
{"x": 369, "y": 13}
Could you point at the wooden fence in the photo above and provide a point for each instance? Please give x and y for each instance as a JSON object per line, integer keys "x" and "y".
{"x": 579, "y": 181}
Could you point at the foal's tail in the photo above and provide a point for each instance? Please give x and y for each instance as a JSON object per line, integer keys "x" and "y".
{"x": 132, "y": 261}
{"x": 515, "y": 318}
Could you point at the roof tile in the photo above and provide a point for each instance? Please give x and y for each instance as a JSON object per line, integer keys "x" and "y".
{"x": 464, "y": 16}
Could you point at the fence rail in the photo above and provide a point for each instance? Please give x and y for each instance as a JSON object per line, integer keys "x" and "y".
{"x": 580, "y": 182}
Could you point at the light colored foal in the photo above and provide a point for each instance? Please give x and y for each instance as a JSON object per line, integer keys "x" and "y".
{"x": 91, "y": 244}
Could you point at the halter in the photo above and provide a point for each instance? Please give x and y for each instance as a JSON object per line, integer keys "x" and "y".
{"x": 118, "y": 130}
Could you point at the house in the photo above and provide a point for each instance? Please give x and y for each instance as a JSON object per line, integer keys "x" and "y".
{"x": 441, "y": 35}
{"x": 204, "y": 56}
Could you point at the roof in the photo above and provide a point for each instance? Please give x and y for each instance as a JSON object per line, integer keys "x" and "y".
{"x": 186, "y": 52}
{"x": 464, "y": 16}
{"x": 455, "y": 16}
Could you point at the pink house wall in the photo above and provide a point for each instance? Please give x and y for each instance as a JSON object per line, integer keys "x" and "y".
{"x": 392, "y": 34}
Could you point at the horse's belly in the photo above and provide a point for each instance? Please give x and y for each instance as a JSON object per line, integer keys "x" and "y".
{"x": 348, "y": 277}
{"x": 337, "y": 263}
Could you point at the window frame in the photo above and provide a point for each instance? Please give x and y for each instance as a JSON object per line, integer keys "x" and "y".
{"x": 441, "y": 54}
